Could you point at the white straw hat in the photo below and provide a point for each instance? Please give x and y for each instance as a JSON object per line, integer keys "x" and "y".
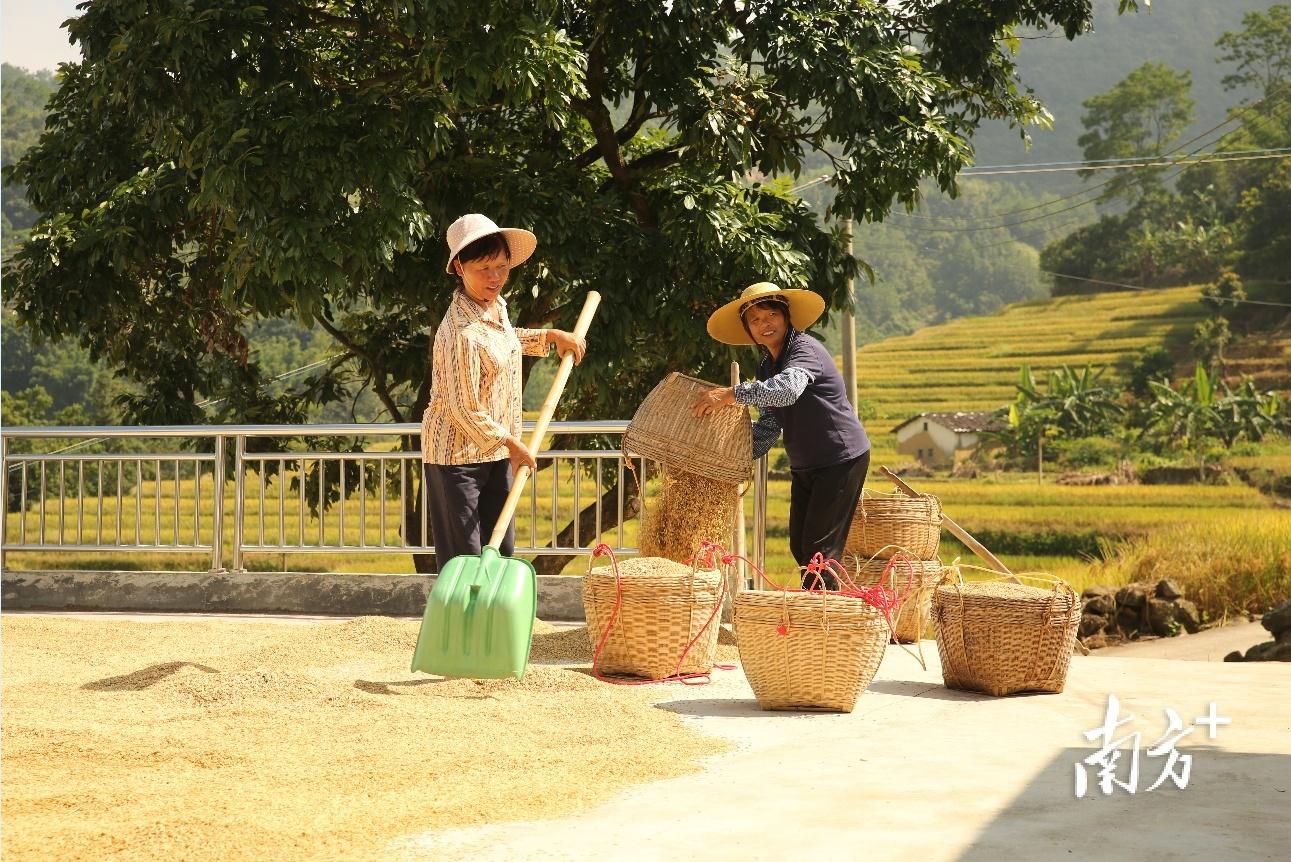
{"x": 727, "y": 326}
{"x": 472, "y": 226}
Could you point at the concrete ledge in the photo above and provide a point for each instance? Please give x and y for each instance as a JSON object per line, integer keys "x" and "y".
{"x": 559, "y": 597}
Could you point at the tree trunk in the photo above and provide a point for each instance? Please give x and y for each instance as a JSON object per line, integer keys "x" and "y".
{"x": 553, "y": 565}
{"x": 1040, "y": 458}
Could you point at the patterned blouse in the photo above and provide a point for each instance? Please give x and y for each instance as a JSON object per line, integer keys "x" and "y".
{"x": 476, "y": 384}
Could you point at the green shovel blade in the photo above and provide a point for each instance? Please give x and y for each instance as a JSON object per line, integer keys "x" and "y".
{"x": 479, "y": 618}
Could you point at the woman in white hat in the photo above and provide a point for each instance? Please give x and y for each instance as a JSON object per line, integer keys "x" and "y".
{"x": 800, "y": 393}
{"x": 470, "y": 432}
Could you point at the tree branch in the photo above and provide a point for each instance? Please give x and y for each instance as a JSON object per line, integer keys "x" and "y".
{"x": 655, "y": 160}
{"x": 552, "y": 565}
{"x": 379, "y": 385}
{"x": 353, "y": 25}
{"x": 598, "y": 116}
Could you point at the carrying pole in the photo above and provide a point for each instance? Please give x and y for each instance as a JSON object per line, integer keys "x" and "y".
{"x": 957, "y": 531}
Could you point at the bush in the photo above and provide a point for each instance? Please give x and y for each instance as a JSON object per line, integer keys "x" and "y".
{"x": 1089, "y": 452}
{"x": 1152, "y": 364}
{"x": 1238, "y": 565}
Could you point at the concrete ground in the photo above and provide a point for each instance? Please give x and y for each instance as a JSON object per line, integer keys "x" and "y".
{"x": 921, "y": 772}
{"x": 1210, "y": 645}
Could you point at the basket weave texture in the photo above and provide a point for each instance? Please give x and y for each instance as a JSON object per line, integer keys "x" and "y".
{"x": 1001, "y": 638}
{"x": 717, "y": 446}
{"x": 884, "y": 525}
{"x": 664, "y": 606}
{"x": 914, "y": 615}
{"x": 808, "y": 650}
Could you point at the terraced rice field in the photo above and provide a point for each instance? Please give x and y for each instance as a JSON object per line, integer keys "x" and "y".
{"x": 973, "y": 363}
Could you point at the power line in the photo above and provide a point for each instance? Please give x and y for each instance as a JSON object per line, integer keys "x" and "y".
{"x": 1085, "y": 163}
{"x": 1270, "y": 99}
{"x": 1278, "y": 153}
{"x": 1091, "y": 189}
{"x": 1180, "y": 163}
{"x": 1141, "y": 287}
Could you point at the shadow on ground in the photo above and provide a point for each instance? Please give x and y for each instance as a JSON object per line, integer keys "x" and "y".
{"x": 1235, "y": 806}
{"x": 144, "y": 678}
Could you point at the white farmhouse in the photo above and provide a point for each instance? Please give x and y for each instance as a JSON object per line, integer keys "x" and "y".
{"x": 935, "y": 438}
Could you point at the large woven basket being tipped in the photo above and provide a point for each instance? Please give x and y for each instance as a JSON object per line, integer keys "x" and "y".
{"x": 808, "y": 650}
{"x": 664, "y": 606}
{"x": 886, "y": 524}
{"x": 1001, "y": 638}
{"x": 915, "y": 579}
{"x": 717, "y": 446}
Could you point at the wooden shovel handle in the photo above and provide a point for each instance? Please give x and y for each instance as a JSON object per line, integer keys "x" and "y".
{"x": 544, "y": 419}
{"x": 958, "y": 531}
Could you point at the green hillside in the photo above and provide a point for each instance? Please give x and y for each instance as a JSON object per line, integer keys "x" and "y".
{"x": 972, "y": 363}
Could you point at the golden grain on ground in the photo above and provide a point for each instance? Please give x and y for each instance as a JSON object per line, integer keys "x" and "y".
{"x": 231, "y": 740}
{"x": 574, "y": 644}
{"x": 688, "y": 511}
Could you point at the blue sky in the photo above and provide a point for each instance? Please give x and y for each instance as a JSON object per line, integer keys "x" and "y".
{"x": 31, "y": 34}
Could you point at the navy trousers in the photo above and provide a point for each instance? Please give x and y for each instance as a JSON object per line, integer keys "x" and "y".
{"x": 465, "y": 501}
{"x": 821, "y": 505}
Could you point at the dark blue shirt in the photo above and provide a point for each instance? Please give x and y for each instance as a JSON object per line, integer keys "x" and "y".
{"x": 820, "y": 427}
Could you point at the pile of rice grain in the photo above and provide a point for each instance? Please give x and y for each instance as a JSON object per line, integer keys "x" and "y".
{"x": 688, "y": 511}
{"x": 234, "y": 740}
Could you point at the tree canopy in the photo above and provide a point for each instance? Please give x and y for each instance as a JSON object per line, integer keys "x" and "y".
{"x": 212, "y": 163}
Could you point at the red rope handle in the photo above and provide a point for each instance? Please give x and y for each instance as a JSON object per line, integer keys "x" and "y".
{"x": 706, "y": 550}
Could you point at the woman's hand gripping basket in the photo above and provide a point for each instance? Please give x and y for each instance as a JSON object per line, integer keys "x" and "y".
{"x": 653, "y": 618}
{"x": 718, "y": 446}
{"x": 1000, "y": 637}
{"x": 812, "y": 649}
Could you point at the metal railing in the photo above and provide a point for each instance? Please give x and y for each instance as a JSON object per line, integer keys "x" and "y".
{"x": 284, "y": 490}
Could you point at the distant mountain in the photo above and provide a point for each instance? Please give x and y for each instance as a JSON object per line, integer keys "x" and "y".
{"x": 1178, "y": 33}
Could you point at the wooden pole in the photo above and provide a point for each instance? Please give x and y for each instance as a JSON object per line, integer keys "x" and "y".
{"x": 956, "y": 530}
{"x": 736, "y": 576}
{"x": 849, "y": 328}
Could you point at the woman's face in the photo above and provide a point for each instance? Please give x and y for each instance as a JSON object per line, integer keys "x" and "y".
{"x": 484, "y": 279}
{"x": 767, "y": 325}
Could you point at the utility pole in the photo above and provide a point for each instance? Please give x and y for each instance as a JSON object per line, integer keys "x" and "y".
{"x": 849, "y": 327}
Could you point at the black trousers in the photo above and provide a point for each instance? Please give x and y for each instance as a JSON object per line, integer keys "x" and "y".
{"x": 465, "y": 501}
{"x": 821, "y": 504}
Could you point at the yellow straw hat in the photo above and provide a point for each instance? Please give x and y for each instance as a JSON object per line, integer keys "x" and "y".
{"x": 726, "y": 325}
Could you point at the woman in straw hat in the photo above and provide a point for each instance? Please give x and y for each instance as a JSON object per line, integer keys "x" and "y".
{"x": 800, "y": 393}
{"x": 470, "y": 432}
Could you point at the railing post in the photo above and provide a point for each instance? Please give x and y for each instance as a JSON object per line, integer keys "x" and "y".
{"x": 738, "y": 574}
{"x": 4, "y": 495}
{"x": 239, "y": 502}
{"x": 760, "y": 514}
{"x": 217, "y": 519}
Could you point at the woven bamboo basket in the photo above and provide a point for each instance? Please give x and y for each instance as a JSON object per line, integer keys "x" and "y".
{"x": 886, "y": 524}
{"x": 664, "y": 606}
{"x": 717, "y": 446}
{"x": 916, "y": 579}
{"x": 812, "y": 651}
{"x": 1001, "y": 638}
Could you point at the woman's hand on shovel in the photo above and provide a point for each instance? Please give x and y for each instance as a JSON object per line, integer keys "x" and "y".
{"x": 567, "y": 342}
{"x": 520, "y": 456}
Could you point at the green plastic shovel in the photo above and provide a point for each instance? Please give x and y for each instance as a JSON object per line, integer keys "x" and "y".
{"x": 479, "y": 615}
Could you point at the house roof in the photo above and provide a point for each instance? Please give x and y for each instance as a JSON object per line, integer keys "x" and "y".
{"x": 961, "y": 422}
